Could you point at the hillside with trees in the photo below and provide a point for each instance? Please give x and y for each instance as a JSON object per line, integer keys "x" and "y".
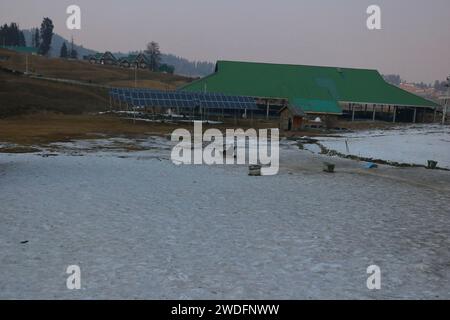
{"x": 51, "y": 44}
{"x": 181, "y": 65}
{"x": 11, "y": 35}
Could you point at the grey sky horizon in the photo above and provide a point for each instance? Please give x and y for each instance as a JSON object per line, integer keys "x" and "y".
{"x": 414, "y": 41}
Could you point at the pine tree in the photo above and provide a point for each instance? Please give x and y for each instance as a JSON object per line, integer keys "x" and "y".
{"x": 14, "y": 37}
{"x": 154, "y": 55}
{"x": 22, "y": 41}
{"x": 46, "y": 33}
{"x": 73, "y": 53}
{"x": 64, "y": 54}
{"x": 3, "y": 34}
{"x": 37, "y": 38}
{"x": 11, "y": 35}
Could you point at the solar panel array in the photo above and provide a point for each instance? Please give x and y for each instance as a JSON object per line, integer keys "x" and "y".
{"x": 181, "y": 99}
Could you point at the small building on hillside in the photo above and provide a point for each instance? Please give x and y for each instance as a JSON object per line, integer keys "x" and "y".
{"x": 95, "y": 58}
{"x": 291, "y": 118}
{"x": 140, "y": 61}
{"x": 106, "y": 58}
{"x": 127, "y": 62}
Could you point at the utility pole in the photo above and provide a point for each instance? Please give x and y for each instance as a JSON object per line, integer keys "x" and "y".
{"x": 446, "y": 101}
{"x": 444, "y": 111}
{"x": 71, "y": 48}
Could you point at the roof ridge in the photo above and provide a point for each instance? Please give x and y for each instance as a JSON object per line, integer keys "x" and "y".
{"x": 297, "y": 65}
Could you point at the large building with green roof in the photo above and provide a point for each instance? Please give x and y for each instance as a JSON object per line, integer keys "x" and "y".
{"x": 316, "y": 90}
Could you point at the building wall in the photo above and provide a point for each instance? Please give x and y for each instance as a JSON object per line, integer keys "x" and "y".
{"x": 296, "y": 121}
{"x": 284, "y": 119}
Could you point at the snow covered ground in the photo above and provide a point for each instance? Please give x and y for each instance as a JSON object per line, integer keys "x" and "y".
{"x": 410, "y": 145}
{"x": 141, "y": 227}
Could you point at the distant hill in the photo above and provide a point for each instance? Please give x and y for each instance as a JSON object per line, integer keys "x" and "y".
{"x": 57, "y": 42}
{"x": 182, "y": 65}
{"x": 189, "y": 68}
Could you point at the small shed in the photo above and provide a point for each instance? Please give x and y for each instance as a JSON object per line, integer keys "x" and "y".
{"x": 291, "y": 118}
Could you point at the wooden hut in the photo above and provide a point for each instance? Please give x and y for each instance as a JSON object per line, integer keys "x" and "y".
{"x": 291, "y": 118}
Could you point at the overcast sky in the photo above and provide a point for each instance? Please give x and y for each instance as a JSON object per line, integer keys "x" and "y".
{"x": 414, "y": 41}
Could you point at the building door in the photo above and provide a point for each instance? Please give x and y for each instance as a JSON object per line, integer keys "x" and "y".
{"x": 290, "y": 124}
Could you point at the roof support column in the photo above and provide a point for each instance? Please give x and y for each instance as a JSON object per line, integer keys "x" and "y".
{"x": 444, "y": 112}
{"x": 353, "y": 112}
{"x": 374, "y": 113}
{"x": 415, "y": 115}
{"x": 268, "y": 109}
{"x": 395, "y": 114}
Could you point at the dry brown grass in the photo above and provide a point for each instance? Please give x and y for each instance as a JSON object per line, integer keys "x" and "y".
{"x": 45, "y": 128}
{"x": 84, "y": 71}
{"x": 22, "y": 95}
{"x": 146, "y": 84}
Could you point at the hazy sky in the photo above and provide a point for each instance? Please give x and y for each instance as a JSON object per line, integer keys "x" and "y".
{"x": 414, "y": 41}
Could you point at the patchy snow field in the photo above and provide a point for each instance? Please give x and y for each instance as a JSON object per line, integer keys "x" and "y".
{"x": 410, "y": 145}
{"x": 141, "y": 227}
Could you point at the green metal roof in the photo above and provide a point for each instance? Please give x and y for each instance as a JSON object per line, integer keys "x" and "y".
{"x": 21, "y": 49}
{"x": 317, "y": 106}
{"x": 320, "y": 87}
{"x": 295, "y": 110}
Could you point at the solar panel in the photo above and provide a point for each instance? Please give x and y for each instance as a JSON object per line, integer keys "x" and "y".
{"x": 165, "y": 99}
